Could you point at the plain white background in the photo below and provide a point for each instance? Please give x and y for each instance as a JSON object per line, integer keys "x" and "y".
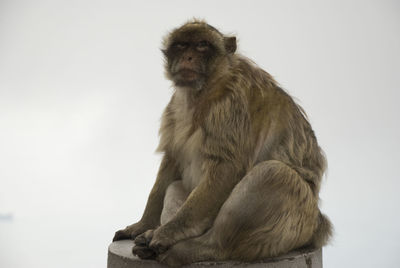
{"x": 82, "y": 91}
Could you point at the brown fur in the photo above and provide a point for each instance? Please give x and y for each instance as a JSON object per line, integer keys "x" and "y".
{"x": 241, "y": 151}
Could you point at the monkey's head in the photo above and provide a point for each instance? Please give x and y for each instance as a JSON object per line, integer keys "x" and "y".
{"x": 195, "y": 53}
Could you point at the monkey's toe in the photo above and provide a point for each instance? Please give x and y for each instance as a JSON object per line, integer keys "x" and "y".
{"x": 144, "y": 252}
{"x": 159, "y": 248}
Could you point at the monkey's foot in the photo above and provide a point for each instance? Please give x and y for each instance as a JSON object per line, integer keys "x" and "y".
{"x": 160, "y": 243}
{"x": 192, "y": 250}
{"x": 141, "y": 248}
{"x": 174, "y": 257}
{"x": 144, "y": 252}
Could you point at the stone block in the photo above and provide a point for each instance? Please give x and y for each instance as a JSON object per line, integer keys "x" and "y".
{"x": 120, "y": 256}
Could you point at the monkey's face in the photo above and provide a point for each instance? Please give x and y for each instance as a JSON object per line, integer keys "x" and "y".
{"x": 193, "y": 54}
{"x": 188, "y": 61}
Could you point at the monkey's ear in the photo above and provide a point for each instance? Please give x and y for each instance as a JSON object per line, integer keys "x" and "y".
{"x": 230, "y": 44}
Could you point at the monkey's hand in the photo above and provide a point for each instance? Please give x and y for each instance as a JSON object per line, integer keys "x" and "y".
{"x": 161, "y": 240}
{"x": 131, "y": 231}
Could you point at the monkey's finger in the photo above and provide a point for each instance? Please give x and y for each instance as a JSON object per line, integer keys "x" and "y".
{"x": 121, "y": 235}
{"x": 141, "y": 241}
{"x": 144, "y": 238}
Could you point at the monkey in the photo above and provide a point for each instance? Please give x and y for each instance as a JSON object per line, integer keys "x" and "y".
{"x": 241, "y": 167}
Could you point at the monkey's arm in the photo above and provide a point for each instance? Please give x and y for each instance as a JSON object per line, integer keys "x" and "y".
{"x": 226, "y": 151}
{"x": 167, "y": 173}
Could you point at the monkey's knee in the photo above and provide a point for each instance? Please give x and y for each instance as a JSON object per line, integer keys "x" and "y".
{"x": 267, "y": 208}
{"x": 175, "y": 196}
{"x": 266, "y": 171}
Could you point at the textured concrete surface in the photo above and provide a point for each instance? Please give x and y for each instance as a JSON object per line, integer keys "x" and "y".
{"x": 120, "y": 256}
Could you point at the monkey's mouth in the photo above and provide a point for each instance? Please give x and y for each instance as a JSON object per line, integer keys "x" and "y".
{"x": 188, "y": 74}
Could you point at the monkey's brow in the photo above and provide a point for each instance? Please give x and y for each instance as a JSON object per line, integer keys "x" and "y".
{"x": 191, "y": 42}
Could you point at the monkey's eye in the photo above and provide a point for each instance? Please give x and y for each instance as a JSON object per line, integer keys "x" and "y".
{"x": 180, "y": 45}
{"x": 203, "y": 46}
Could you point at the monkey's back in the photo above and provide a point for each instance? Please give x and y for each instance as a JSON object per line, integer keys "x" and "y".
{"x": 279, "y": 127}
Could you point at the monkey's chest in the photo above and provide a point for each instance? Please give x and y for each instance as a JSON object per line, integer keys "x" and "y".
{"x": 186, "y": 143}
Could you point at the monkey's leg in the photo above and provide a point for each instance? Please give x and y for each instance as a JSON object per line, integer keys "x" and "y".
{"x": 175, "y": 196}
{"x": 167, "y": 174}
{"x": 270, "y": 211}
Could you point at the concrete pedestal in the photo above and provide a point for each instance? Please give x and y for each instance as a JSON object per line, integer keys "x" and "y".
{"x": 120, "y": 256}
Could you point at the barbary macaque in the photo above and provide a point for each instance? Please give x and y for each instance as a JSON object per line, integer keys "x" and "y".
{"x": 241, "y": 168}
